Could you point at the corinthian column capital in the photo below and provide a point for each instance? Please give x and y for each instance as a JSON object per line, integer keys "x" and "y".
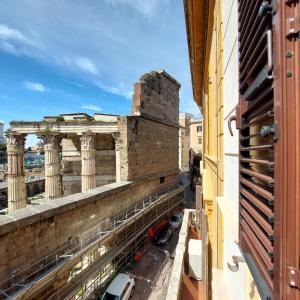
{"x": 15, "y": 171}
{"x": 87, "y": 140}
{"x": 15, "y": 141}
{"x": 88, "y": 161}
{"x": 51, "y": 141}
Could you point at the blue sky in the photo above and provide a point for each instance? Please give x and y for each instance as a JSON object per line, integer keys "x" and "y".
{"x": 63, "y": 56}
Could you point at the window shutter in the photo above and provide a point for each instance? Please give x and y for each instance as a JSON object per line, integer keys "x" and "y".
{"x": 257, "y": 135}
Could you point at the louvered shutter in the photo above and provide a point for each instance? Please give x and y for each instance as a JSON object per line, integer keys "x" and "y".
{"x": 257, "y": 135}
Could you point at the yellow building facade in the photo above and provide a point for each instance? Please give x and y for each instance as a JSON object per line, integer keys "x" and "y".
{"x": 212, "y": 109}
{"x": 212, "y": 30}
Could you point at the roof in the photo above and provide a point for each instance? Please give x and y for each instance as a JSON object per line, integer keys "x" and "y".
{"x": 196, "y": 18}
{"x": 185, "y": 115}
{"x": 117, "y": 285}
{"x": 76, "y": 114}
{"x": 98, "y": 114}
{"x": 196, "y": 121}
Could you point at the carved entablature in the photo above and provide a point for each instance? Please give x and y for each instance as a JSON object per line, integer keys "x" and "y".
{"x": 51, "y": 141}
{"x": 87, "y": 140}
{"x": 15, "y": 142}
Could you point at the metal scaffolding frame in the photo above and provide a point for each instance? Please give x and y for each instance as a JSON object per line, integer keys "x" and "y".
{"x": 78, "y": 261}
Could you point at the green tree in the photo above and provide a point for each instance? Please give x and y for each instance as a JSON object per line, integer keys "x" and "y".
{"x": 3, "y": 147}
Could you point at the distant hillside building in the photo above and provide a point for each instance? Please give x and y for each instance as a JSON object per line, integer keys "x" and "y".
{"x": 2, "y": 139}
{"x": 196, "y": 149}
{"x": 184, "y": 139}
{"x": 196, "y": 137}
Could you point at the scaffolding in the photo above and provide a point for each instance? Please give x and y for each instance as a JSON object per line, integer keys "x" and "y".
{"x": 84, "y": 264}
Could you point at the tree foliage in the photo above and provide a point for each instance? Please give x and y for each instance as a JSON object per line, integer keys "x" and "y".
{"x": 3, "y": 147}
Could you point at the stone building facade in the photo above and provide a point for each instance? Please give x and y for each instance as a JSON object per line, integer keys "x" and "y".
{"x": 196, "y": 137}
{"x": 184, "y": 140}
{"x": 84, "y": 152}
{"x": 105, "y": 167}
{"x": 145, "y": 156}
{"x": 148, "y": 139}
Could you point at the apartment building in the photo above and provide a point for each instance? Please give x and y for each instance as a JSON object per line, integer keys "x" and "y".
{"x": 184, "y": 140}
{"x": 196, "y": 137}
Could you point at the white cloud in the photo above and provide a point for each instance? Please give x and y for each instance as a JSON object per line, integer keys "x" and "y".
{"x": 34, "y": 86}
{"x": 121, "y": 89}
{"x": 17, "y": 43}
{"x": 86, "y": 65}
{"x": 111, "y": 41}
{"x": 144, "y": 7}
{"x": 83, "y": 63}
{"x": 8, "y": 47}
{"x": 91, "y": 107}
{"x": 7, "y": 33}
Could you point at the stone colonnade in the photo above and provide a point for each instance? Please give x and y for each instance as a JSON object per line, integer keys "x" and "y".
{"x": 88, "y": 162}
{"x": 53, "y": 186}
{"x": 15, "y": 172}
{"x": 53, "y": 176}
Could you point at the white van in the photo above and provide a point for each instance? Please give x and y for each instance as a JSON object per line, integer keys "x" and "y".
{"x": 121, "y": 288}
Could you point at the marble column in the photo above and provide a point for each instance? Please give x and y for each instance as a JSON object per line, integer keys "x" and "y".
{"x": 53, "y": 184}
{"x": 88, "y": 161}
{"x": 15, "y": 171}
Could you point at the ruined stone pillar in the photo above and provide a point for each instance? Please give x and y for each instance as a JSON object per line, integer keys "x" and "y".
{"x": 88, "y": 161}
{"x": 15, "y": 171}
{"x": 53, "y": 186}
{"x": 116, "y": 136}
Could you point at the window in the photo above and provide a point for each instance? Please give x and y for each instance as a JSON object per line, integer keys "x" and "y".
{"x": 125, "y": 290}
{"x": 199, "y": 128}
{"x": 200, "y": 140}
{"x": 162, "y": 179}
{"x": 108, "y": 296}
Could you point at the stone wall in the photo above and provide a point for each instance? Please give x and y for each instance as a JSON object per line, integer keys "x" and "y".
{"x": 146, "y": 147}
{"x": 148, "y": 140}
{"x": 156, "y": 94}
{"x": 29, "y": 234}
{"x": 33, "y": 187}
{"x": 105, "y": 162}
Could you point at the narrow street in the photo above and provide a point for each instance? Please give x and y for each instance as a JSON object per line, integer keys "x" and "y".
{"x": 153, "y": 270}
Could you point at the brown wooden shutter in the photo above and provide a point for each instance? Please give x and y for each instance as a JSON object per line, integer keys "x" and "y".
{"x": 268, "y": 119}
{"x": 257, "y": 137}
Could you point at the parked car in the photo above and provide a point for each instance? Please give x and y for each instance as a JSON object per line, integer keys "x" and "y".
{"x": 164, "y": 235}
{"x": 176, "y": 219}
{"x": 121, "y": 288}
